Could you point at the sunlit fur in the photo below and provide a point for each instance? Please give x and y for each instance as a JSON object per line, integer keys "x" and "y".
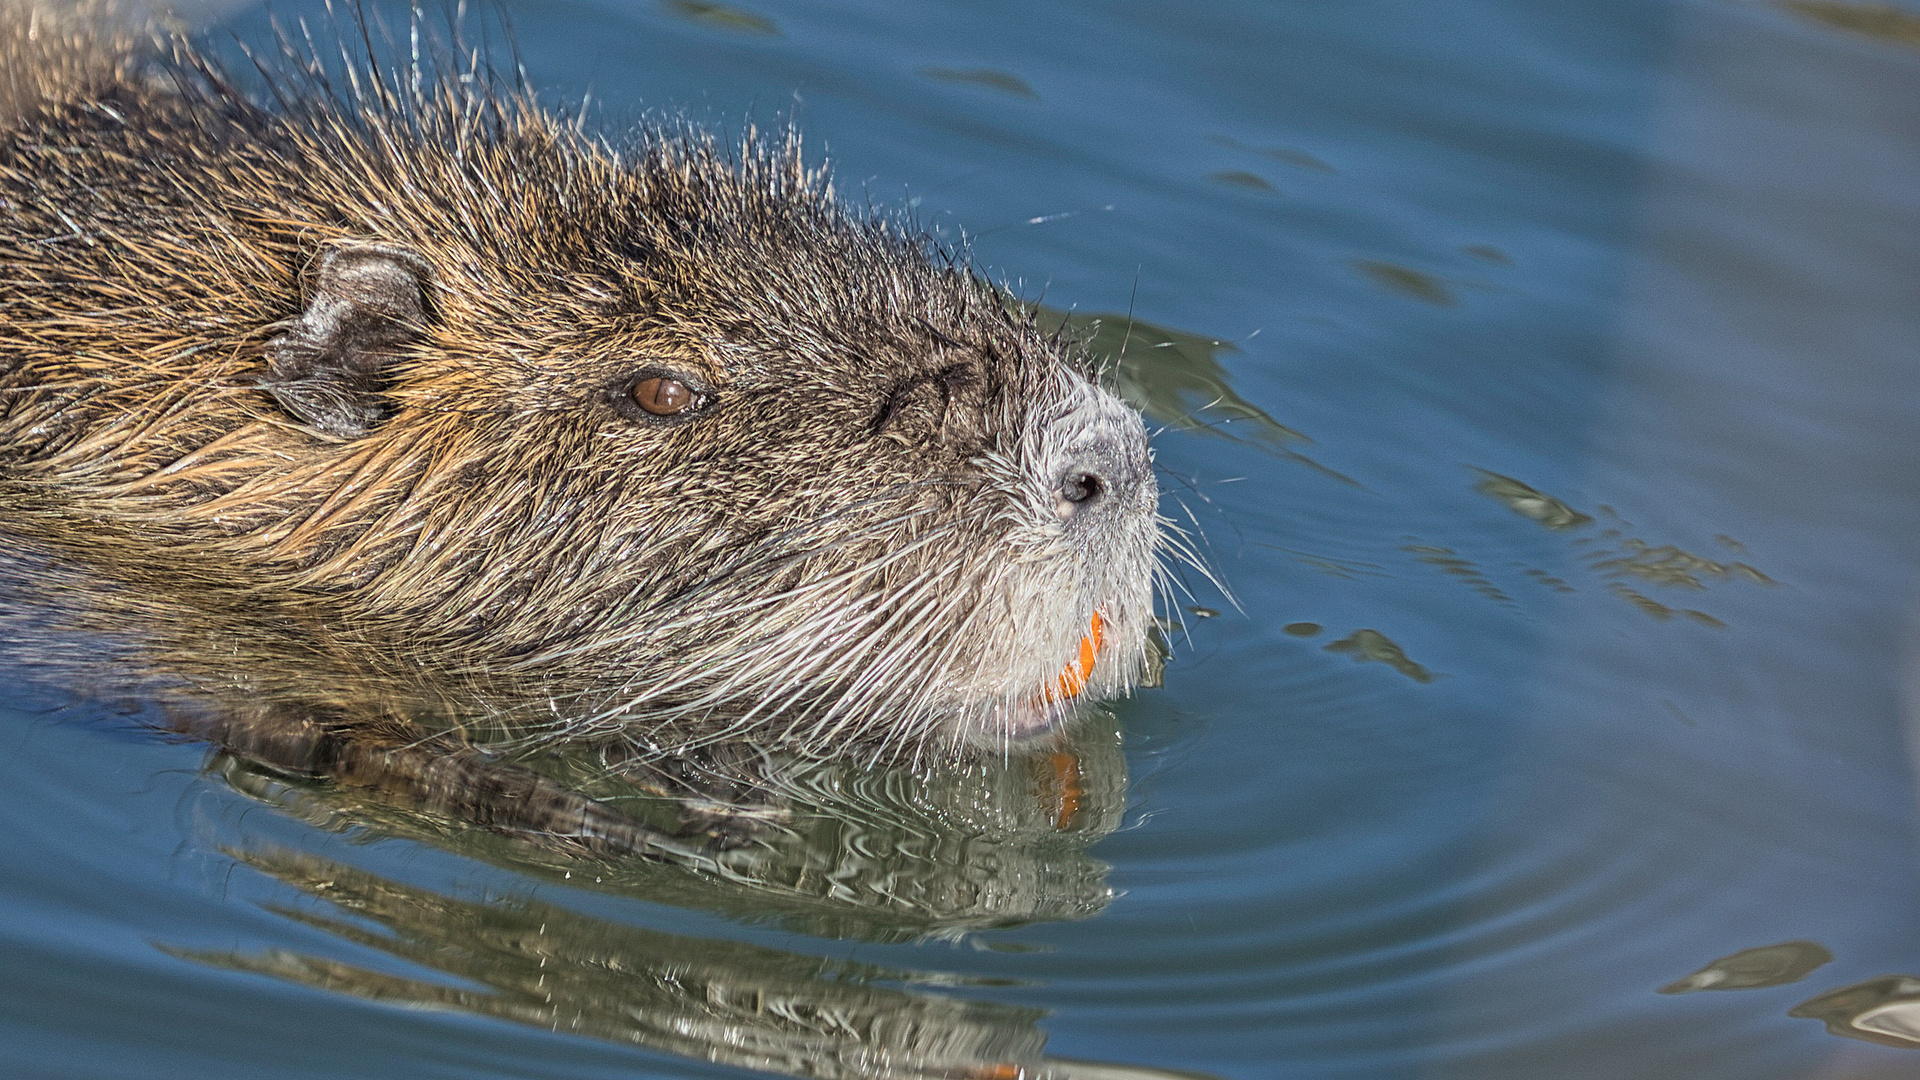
{"x": 799, "y": 563}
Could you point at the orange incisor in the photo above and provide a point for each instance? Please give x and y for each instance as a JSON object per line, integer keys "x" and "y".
{"x": 1074, "y": 678}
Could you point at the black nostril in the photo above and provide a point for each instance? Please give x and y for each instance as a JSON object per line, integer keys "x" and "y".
{"x": 1077, "y": 489}
{"x": 1082, "y": 487}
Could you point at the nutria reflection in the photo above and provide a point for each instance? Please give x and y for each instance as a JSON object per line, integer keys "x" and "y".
{"x": 733, "y": 1003}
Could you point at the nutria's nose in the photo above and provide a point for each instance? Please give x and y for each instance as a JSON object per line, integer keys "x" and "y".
{"x": 1079, "y": 490}
{"x": 1101, "y": 467}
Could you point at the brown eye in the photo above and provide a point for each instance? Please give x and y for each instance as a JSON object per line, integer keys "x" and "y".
{"x": 662, "y": 396}
{"x": 648, "y": 397}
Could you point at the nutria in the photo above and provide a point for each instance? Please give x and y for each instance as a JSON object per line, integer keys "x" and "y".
{"x": 404, "y": 355}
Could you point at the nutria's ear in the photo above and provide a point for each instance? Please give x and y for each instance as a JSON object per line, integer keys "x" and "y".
{"x": 328, "y": 367}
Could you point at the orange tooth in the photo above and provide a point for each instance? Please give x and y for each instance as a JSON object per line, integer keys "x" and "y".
{"x": 1074, "y": 678}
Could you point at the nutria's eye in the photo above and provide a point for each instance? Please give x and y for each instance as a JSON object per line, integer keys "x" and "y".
{"x": 658, "y": 395}
{"x": 662, "y": 396}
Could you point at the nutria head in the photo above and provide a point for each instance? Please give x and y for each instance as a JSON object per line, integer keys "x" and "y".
{"x": 669, "y": 422}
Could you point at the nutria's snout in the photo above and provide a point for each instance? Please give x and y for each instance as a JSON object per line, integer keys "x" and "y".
{"x": 1080, "y": 607}
{"x": 1107, "y": 471}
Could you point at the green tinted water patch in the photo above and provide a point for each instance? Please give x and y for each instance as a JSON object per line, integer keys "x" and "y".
{"x": 1372, "y": 645}
{"x": 1628, "y": 565}
{"x": 1557, "y": 584}
{"x": 1171, "y": 375}
{"x": 1488, "y": 253}
{"x": 1177, "y": 379}
{"x": 1297, "y": 158}
{"x": 1528, "y": 503}
{"x": 1885, "y": 1010}
{"x": 1753, "y": 969}
{"x": 1241, "y": 178}
{"x": 990, "y": 78}
{"x": 723, "y": 17}
{"x": 1886, "y": 22}
{"x": 1453, "y": 564}
{"x": 1407, "y": 281}
{"x": 1672, "y": 567}
{"x": 1654, "y": 609}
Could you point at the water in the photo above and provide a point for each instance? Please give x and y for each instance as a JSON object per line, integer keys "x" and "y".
{"x": 1542, "y": 379}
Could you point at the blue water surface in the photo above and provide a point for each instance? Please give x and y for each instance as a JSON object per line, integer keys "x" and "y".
{"x": 1654, "y": 259}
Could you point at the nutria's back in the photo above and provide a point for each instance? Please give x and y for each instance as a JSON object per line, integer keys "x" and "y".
{"x": 429, "y": 362}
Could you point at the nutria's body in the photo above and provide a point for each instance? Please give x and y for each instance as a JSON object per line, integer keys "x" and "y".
{"x": 423, "y": 362}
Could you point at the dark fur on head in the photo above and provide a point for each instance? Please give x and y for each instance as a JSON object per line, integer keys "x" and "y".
{"x": 372, "y": 352}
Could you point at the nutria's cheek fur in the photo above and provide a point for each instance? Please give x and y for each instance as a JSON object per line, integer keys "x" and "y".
{"x": 667, "y": 426}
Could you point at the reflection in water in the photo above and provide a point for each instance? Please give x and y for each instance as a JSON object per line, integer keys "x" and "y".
{"x": 1174, "y": 378}
{"x": 722, "y": 1001}
{"x": 991, "y": 78}
{"x": 1453, "y": 564}
{"x": 1668, "y": 565}
{"x": 1884, "y": 21}
{"x": 723, "y": 17}
{"x": 1623, "y": 562}
{"x": 845, "y": 851}
{"x": 1241, "y": 178}
{"x": 1654, "y": 609}
{"x": 1528, "y": 503}
{"x": 1751, "y": 969}
{"x": 1287, "y": 154}
{"x": 1884, "y": 1010}
{"x": 1375, "y": 646}
{"x": 1407, "y": 281}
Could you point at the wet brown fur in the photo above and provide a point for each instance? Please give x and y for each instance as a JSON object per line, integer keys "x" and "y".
{"x": 159, "y": 228}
